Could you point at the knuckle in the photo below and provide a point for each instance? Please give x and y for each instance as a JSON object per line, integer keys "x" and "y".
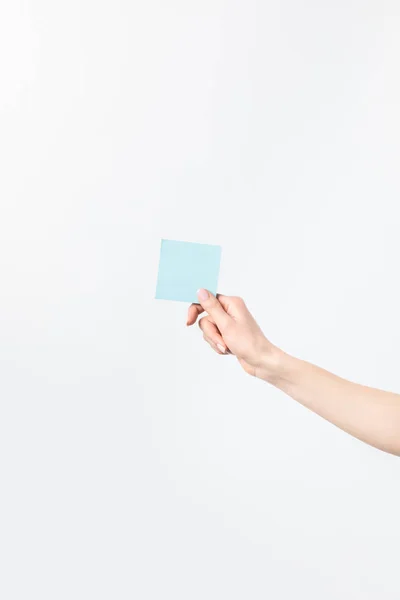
{"x": 239, "y": 302}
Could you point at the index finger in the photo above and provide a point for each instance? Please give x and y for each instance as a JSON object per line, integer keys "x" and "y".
{"x": 194, "y": 311}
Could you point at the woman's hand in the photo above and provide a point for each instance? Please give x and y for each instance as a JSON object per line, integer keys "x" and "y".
{"x": 229, "y": 328}
{"x": 369, "y": 414}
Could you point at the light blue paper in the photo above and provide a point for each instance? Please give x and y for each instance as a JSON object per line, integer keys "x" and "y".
{"x": 186, "y": 267}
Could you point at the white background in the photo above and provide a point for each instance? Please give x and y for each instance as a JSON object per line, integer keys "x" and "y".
{"x": 134, "y": 462}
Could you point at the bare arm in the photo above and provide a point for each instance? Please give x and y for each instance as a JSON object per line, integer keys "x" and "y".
{"x": 370, "y": 415}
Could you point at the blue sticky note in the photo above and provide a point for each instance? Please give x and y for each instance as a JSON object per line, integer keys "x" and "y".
{"x": 184, "y": 268}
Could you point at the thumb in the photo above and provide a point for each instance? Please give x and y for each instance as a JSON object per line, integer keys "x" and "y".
{"x": 214, "y": 308}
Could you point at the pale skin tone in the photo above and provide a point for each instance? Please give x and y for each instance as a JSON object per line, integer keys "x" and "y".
{"x": 368, "y": 414}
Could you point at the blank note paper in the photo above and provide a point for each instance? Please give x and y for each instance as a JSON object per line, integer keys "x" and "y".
{"x": 184, "y": 268}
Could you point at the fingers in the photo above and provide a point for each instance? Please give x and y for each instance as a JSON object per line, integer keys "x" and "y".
{"x": 233, "y": 305}
{"x": 194, "y": 311}
{"x": 214, "y": 308}
{"x": 212, "y": 335}
{"x": 214, "y": 347}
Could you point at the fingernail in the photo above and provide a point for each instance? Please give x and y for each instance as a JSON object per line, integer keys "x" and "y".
{"x": 202, "y": 295}
{"x": 221, "y": 348}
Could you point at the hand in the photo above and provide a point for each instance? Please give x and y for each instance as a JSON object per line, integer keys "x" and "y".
{"x": 229, "y": 328}
{"x": 366, "y": 413}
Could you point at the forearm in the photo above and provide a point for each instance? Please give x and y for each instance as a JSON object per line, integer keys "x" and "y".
{"x": 366, "y": 413}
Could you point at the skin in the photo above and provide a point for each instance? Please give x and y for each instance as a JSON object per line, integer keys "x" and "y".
{"x": 368, "y": 414}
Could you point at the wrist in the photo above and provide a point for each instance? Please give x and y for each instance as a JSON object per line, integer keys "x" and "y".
{"x": 274, "y": 365}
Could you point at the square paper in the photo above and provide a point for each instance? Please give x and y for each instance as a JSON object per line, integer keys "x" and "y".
{"x": 184, "y": 268}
